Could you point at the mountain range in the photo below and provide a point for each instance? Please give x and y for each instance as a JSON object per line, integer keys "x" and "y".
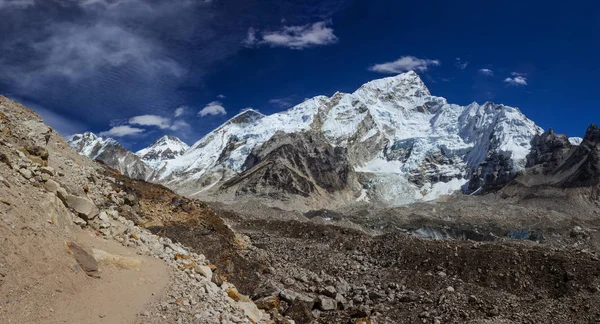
{"x": 388, "y": 142}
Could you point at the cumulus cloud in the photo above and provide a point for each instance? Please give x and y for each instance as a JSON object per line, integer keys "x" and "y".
{"x": 516, "y": 81}
{"x": 151, "y": 120}
{"x": 461, "y": 64}
{"x": 403, "y": 64}
{"x": 213, "y": 108}
{"x": 120, "y": 131}
{"x": 486, "y": 72}
{"x": 180, "y": 111}
{"x": 294, "y": 37}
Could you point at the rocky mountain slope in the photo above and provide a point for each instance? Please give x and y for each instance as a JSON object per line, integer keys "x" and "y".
{"x": 111, "y": 153}
{"x": 403, "y": 144}
{"x": 74, "y": 247}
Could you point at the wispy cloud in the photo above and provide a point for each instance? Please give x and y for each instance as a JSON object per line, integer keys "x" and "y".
{"x": 180, "y": 111}
{"x": 213, "y": 108}
{"x": 120, "y": 131}
{"x": 294, "y": 37}
{"x": 517, "y": 80}
{"x": 221, "y": 96}
{"x": 487, "y": 72}
{"x": 19, "y": 4}
{"x": 461, "y": 64}
{"x": 403, "y": 64}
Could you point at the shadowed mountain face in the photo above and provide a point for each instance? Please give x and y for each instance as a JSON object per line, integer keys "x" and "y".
{"x": 292, "y": 164}
{"x": 554, "y": 161}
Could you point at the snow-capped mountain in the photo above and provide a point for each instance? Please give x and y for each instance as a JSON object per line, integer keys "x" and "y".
{"x": 111, "y": 153}
{"x": 413, "y": 145}
{"x": 165, "y": 148}
{"x": 401, "y": 145}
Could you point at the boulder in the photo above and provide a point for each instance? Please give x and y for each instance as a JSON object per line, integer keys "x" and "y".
{"x": 267, "y": 303}
{"x": 84, "y": 259}
{"x": 83, "y": 206}
{"x": 325, "y": 303}
{"x": 299, "y": 312}
{"x": 204, "y": 271}
{"x": 329, "y": 291}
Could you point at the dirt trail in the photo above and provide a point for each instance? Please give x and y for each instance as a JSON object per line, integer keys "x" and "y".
{"x": 70, "y": 296}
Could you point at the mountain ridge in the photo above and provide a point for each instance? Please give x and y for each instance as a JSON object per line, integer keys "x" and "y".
{"x": 391, "y": 128}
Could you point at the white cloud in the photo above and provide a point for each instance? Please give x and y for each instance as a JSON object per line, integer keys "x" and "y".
{"x": 120, "y": 131}
{"x": 151, "y": 120}
{"x": 221, "y": 96}
{"x": 461, "y": 64}
{"x": 214, "y": 108}
{"x": 486, "y": 72}
{"x": 516, "y": 81}
{"x": 250, "y": 39}
{"x": 179, "y": 125}
{"x": 403, "y": 64}
{"x": 180, "y": 111}
{"x": 294, "y": 37}
{"x": 518, "y": 74}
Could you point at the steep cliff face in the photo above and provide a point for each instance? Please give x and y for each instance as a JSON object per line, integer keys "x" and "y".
{"x": 555, "y": 162}
{"x": 301, "y": 164}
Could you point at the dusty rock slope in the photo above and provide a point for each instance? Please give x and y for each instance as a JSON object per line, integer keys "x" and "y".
{"x": 71, "y": 251}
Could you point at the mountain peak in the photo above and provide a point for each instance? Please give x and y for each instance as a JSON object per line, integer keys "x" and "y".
{"x": 165, "y": 148}
{"x": 407, "y": 84}
{"x": 246, "y": 116}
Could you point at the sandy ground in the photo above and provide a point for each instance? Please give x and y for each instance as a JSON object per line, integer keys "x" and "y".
{"x": 65, "y": 295}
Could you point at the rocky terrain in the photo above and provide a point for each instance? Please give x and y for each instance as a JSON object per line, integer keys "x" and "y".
{"x": 75, "y": 249}
{"x": 105, "y": 247}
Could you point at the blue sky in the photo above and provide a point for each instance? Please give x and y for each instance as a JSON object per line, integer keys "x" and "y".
{"x": 138, "y": 69}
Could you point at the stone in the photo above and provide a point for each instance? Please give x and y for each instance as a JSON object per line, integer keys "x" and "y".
{"x": 267, "y": 303}
{"x": 288, "y": 295}
{"x": 79, "y": 221}
{"x": 84, "y": 259}
{"x": 117, "y": 261}
{"x": 51, "y": 186}
{"x": 298, "y": 312}
{"x": 204, "y": 271}
{"x": 325, "y": 303}
{"x": 267, "y": 288}
{"x": 341, "y": 301}
{"x": 329, "y": 291}
{"x": 342, "y": 286}
{"x": 130, "y": 199}
{"x": 45, "y": 177}
{"x": 450, "y": 289}
{"x": 103, "y": 216}
{"x": 83, "y": 206}
{"x": 178, "y": 249}
{"x": 47, "y": 170}
{"x": 26, "y": 173}
{"x": 251, "y": 311}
